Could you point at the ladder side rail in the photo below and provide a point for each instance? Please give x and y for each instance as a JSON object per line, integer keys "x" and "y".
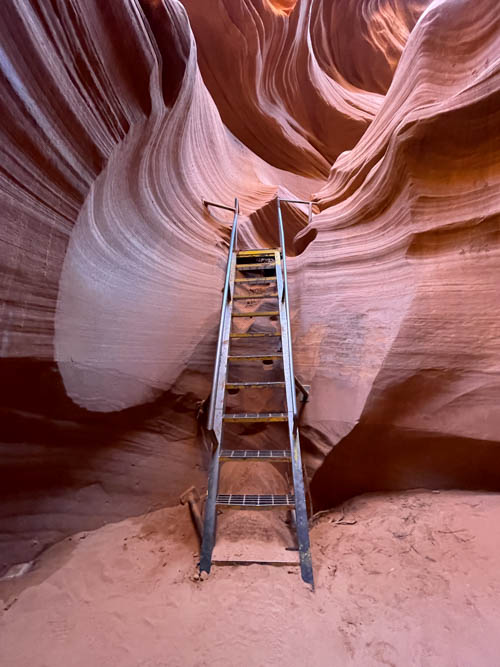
{"x": 295, "y": 201}
{"x": 219, "y": 396}
{"x": 285, "y": 347}
{"x": 301, "y": 519}
{"x": 227, "y": 295}
{"x": 287, "y": 311}
{"x": 211, "y": 203}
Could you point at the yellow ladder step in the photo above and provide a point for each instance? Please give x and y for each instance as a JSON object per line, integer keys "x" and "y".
{"x": 256, "y": 417}
{"x": 257, "y": 252}
{"x": 261, "y": 266}
{"x": 270, "y": 279}
{"x": 248, "y": 297}
{"x": 254, "y": 357}
{"x": 255, "y": 335}
{"x": 262, "y": 313}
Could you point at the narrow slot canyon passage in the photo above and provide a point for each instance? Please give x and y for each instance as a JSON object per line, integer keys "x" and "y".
{"x": 250, "y": 333}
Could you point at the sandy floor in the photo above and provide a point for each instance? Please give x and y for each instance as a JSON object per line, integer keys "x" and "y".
{"x": 405, "y": 579}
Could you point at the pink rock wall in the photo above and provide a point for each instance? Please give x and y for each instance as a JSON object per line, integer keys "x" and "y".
{"x": 120, "y": 118}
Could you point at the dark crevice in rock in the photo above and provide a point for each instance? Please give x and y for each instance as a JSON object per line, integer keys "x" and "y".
{"x": 381, "y": 457}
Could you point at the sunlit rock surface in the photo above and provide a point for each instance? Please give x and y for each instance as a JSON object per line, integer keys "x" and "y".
{"x": 118, "y": 118}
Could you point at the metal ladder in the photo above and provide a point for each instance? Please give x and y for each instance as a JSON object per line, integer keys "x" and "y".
{"x": 248, "y": 268}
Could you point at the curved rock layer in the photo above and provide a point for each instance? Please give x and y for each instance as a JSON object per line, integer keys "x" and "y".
{"x": 430, "y": 327}
{"x": 362, "y": 42}
{"x": 120, "y": 117}
{"x": 270, "y": 89}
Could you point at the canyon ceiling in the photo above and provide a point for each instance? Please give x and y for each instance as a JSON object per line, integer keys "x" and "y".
{"x": 120, "y": 117}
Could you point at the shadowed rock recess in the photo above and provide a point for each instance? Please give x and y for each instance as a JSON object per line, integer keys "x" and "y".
{"x": 119, "y": 117}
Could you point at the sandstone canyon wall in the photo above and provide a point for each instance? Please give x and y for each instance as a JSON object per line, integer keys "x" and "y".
{"x": 118, "y": 118}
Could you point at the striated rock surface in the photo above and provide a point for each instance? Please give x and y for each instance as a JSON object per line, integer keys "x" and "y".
{"x": 416, "y": 202}
{"x": 295, "y": 111}
{"x": 120, "y": 117}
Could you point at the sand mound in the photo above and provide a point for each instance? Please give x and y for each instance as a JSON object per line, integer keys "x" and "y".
{"x": 402, "y": 579}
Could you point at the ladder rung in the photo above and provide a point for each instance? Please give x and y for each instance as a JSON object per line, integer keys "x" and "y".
{"x": 255, "y": 296}
{"x": 256, "y": 501}
{"x": 256, "y": 417}
{"x": 271, "y": 279}
{"x": 257, "y": 252}
{"x": 254, "y": 357}
{"x": 249, "y": 385}
{"x": 255, "y": 455}
{"x": 262, "y": 313}
{"x": 254, "y": 335}
{"x": 260, "y": 266}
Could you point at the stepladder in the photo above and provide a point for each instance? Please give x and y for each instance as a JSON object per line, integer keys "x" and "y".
{"x": 255, "y": 331}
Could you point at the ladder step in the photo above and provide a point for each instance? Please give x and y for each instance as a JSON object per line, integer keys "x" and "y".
{"x": 254, "y": 357}
{"x": 260, "y": 266}
{"x": 255, "y": 455}
{"x": 257, "y": 252}
{"x": 257, "y": 501}
{"x": 271, "y": 279}
{"x": 262, "y": 313}
{"x": 251, "y": 385}
{"x": 253, "y": 335}
{"x": 256, "y": 417}
{"x": 255, "y": 296}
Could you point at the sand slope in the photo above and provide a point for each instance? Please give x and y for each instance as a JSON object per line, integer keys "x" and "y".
{"x": 414, "y": 581}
